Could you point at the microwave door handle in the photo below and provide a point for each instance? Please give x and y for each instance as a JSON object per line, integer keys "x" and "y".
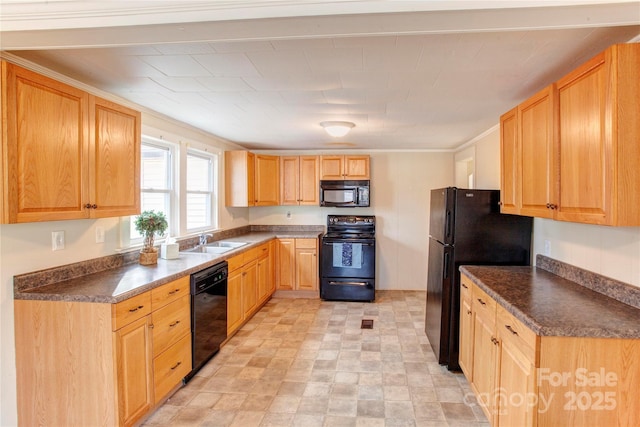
{"x": 340, "y": 203}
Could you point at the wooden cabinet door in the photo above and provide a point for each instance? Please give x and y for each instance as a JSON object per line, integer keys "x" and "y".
{"x": 114, "y": 159}
{"x": 239, "y": 178}
{"x": 272, "y": 267}
{"x": 356, "y": 167}
{"x": 509, "y": 174}
{"x": 249, "y": 288}
{"x": 306, "y": 264}
{"x": 45, "y": 149}
{"x": 286, "y": 264}
{"x": 466, "y": 332}
{"x": 234, "y": 300}
{"x": 484, "y": 362}
{"x": 264, "y": 282}
{"x": 267, "y": 180}
{"x": 331, "y": 167}
{"x": 134, "y": 370}
{"x": 537, "y": 183}
{"x": 517, "y": 380}
{"x": 289, "y": 180}
{"x": 585, "y": 156}
{"x": 309, "y": 181}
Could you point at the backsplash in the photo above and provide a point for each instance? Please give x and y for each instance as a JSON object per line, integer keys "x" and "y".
{"x": 70, "y": 271}
{"x": 612, "y": 288}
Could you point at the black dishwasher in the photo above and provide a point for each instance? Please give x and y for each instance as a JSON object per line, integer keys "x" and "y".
{"x": 208, "y": 314}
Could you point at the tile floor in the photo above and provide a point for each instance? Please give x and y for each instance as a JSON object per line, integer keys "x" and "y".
{"x": 307, "y": 362}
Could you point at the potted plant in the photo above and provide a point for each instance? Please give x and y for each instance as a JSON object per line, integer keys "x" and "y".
{"x": 150, "y": 224}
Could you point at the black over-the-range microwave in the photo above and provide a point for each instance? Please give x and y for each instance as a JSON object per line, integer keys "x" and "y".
{"x": 344, "y": 194}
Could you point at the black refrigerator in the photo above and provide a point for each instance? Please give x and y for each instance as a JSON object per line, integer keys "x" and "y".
{"x": 466, "y": 227}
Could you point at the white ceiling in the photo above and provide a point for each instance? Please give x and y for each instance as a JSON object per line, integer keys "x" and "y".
{"x": 409, "y": 74}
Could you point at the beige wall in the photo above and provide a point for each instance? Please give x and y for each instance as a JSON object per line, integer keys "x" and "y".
{"x": 400, "y": 192}
{"x": 610, "y": 251}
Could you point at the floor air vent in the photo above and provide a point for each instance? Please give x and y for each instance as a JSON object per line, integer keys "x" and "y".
{"x": 366, "y": 324}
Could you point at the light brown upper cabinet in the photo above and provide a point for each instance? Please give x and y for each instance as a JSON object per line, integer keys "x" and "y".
{"x": 251, "y": 179}
{"x": 527, "y": 146}
{"x": 578, "y": 144}
{"x": 66, "y": 154}
{"x": 299, "y": 180}
{"x": 509, "y": 162}
{"x": 344, "y": 167}
{"x": 598, "y": 134}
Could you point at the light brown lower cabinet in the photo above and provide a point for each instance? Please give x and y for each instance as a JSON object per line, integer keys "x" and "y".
{"x": 249, "y": 285}
{"x": 80, "y": 363}
{"x": 523, "y": 379}
{"x": 297, "y": 264}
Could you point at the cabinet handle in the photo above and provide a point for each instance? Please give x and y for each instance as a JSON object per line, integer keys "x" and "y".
{"x": 87, "y": 206}
{"x": 174, "y": 323}
{"x": 510, "y": 329}
{"x": 94, "y": 206}
{"x": 176, "y": 365}
{"x": 481, "y": 302}
{"x": 469, "y": 312}
{"x": 174, "y": 291}
{"x": 133, "y": 310}
{"x": 464, "y": 286}
{"x": 500, "y": 203}
{"x": 494, "y": 341}
{"x": 551, "y": 206}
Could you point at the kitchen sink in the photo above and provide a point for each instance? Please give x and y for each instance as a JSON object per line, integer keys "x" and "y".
{"x": 231, "y": 245}
{"x": 216, "y": 247}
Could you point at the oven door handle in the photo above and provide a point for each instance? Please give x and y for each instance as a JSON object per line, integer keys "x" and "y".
{"x": 331, "y": 242}
{"x": 331, "y": 282}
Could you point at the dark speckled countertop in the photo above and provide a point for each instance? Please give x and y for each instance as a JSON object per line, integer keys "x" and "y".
{"x": 116, "y": 284}
{"x": 552, "y": 305}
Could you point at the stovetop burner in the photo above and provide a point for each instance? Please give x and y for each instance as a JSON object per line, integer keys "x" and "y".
{"x": 354, "y": 226}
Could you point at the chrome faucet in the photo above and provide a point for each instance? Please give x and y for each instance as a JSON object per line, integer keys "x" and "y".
{"x": 203, "y": 238}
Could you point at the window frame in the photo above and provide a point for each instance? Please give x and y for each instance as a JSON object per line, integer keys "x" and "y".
{"x": 214, "y": 182}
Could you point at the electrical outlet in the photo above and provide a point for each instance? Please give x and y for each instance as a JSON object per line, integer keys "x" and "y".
{"x": 99, "y": 234}
{"x": 57, "y": 240}
{"x": 288, "y": 214}
{"x": 547, "y": 248}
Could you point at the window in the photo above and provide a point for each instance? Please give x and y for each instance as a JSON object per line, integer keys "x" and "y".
{"x": 155, "y": 182}
{"x": 180, "y": 181}
{"x": 199, "y": 190}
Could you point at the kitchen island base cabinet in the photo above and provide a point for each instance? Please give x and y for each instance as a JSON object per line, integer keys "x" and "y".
{"x": 546, "y": 381}
{"x": 81, "y": 363}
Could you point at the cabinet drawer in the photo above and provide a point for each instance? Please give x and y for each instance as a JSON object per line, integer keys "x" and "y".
{"x": 251, "y": 255}
{"x": 170, "y": 324}
{"x": 306, "y": 243}
{"x": 465, "y": 287}
{"x": 263, "y": 250}
{"x": 163, "y": 295}
{"x": 512, "y": 330}
{"x": 131, "y": 309}
{"x": 170, "y": 367}
{"x": 483, "y": 303}
{"x": 235, "y": 263}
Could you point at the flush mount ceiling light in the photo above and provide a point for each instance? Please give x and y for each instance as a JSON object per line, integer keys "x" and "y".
{"x": 337, "y": 129}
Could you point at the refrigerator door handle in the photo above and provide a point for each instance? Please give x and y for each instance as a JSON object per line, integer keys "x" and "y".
{"x": 445, "y": 273}
{"x": 447, "y": 225}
